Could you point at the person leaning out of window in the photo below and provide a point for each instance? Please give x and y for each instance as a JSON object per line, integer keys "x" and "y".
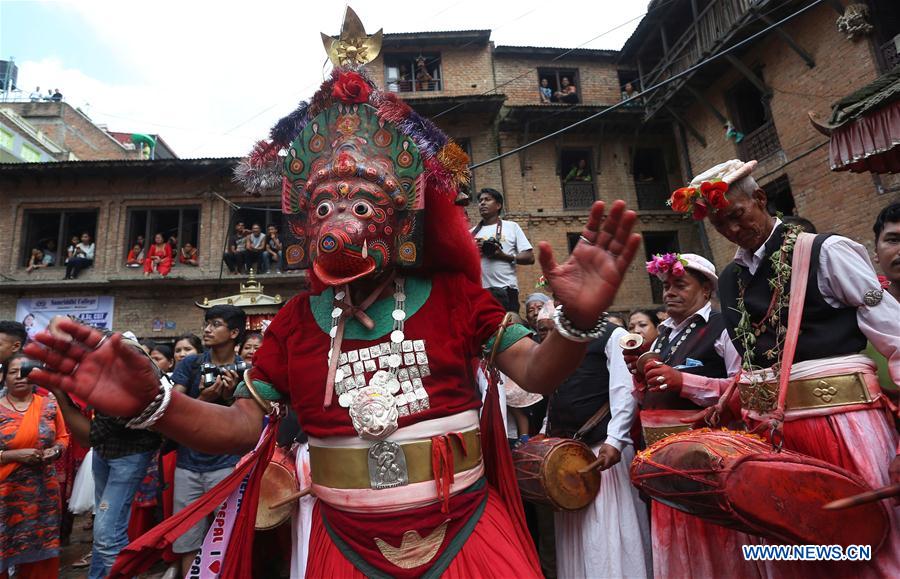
{"x": 82, "y": 258}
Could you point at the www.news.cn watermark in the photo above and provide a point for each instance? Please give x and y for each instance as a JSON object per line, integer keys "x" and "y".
{"x": 807, "y": 552}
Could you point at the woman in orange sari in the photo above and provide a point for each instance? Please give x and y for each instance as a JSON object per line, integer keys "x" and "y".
{"x": 32, "y": 437}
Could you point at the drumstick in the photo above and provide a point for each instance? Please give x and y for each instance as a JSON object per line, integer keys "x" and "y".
{"x": 589, "y": 468}
{"x": 292, "y": 498}
{"x": 863, "y": 498}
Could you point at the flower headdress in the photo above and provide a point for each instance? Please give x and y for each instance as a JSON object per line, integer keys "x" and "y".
{"x": 706, "y": 192}
{"x": 663, "y": 265}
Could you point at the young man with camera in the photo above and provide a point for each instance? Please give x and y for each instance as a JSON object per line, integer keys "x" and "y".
{"x": 211, "y": 377}
{"x": 503, "y": 245}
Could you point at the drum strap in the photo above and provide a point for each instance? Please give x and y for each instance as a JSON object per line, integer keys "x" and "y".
{"x": 593, "y": 421}
{"x": 800, "y": 264}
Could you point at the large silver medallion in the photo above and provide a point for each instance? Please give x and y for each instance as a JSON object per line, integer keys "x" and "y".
{"x": 374, "y": 412}
{"x": 387, "y": 465}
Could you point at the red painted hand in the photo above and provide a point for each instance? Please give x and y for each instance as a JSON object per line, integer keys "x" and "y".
{"x": 114, "y": 378}
{"x": 660, "y": 377}
{"x": 587, "y": 282}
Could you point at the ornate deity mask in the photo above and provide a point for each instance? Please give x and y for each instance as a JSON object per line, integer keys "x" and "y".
{"x": 353, "y": 196}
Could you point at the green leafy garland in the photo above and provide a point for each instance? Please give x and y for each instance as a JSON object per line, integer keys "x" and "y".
{"x": 756, "y": 395}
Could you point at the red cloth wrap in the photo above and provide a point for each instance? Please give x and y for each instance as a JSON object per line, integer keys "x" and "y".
{"x": 141, "y": 554}
{"x": 492, "y": 549}
{"x": 358, "y": 530}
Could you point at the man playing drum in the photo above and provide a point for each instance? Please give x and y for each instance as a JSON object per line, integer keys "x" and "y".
{"x": 377, "y": 360}
{"x": 585, "y": 545}
{"x": 833, "y": 408}
{"x": 692, "y": 345}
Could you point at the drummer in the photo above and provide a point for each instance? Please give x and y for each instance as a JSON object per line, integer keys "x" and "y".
{"x": 692, "y": 342}
{"x": 844, "y": 306}
{"x": 584, "y": 545}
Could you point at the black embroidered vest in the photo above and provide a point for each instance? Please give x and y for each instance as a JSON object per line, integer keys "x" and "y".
{"x": 824, "y": 330}
{"x": 700, "y": 346}
{"x": 583, "y": 394}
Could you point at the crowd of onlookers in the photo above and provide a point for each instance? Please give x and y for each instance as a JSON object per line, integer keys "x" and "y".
{"x": 252, "y": 249}
{"x": 567, "y": 93}
{"x": 52, "y": 95}
{"x": 135, "y": 476}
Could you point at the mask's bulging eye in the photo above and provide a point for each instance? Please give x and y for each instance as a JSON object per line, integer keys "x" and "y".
{"x": 362, "y": 209}
{"x": 324, "y": 209}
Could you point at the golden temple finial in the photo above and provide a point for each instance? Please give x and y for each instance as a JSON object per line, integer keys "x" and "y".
{"x": 353, "y": 46}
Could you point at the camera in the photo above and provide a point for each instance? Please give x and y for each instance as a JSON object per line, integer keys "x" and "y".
{"x": 490, "y": 246}
{"x": 27, "y": 366}
{"x": 209, "y": 372}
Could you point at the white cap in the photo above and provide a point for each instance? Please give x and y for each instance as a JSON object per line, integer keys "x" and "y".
{"x": 729, "y": 172}
{"x": 701, "y": 265}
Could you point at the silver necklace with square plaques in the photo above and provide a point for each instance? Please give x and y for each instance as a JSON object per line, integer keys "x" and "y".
{"x": 397, "y": 367}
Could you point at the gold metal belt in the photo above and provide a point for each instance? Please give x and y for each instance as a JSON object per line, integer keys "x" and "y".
{"x": 356, "y": 468}
{"x": 825, "y": 392}
{"x": 656, "y": 433}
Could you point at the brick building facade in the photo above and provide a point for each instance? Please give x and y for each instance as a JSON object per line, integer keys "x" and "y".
{"x": 766, "y": 91}
{"x": 115, "y": 201}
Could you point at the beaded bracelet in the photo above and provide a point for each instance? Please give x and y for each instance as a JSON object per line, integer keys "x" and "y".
{"x": 570, "y": 332}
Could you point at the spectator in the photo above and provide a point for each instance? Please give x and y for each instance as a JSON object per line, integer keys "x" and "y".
{"x": 13, "y": 336}
{"x": 424, "y": 80}
{"x": 48, "y": 246}
{"x": 252, "y": 342}
{"x": 545, "y": 92}
{"x": 83, "y": 257}
{"x": 57, "y": 96}
{"x": 32, "y": 437}
{"x": 643, "y": 323}
{"x": 533, "y": 305}
{"x": 661, "y": 314}
{"x": 567, "y": 92}
{"x": 163, "y": 357}
{"x": 255, "y": 244}
{"x": 139, "y": 240}
{"x": 120, "y": 460}
{"x": 173, "y": 241}
{"x": 545, "y": 321}
{"x": 197, "y": 472}
{"x": 185, "y": 345}
{"x": 188, "y": 255}
{"x": 579, "y": 172}
{"x": 135, "y": 256}
{"x": 273, "y": 250}
{"x": 38, "y": 260}
{"x": 159, "y": 257}
{"x": 71, "y": 248}
{"x": 629, "y": 92}
{"x": 49, "y": 96}
{"x": 36, "y": 95}
{"x": 234, "y": 255}
{"x": 503, "y": 245}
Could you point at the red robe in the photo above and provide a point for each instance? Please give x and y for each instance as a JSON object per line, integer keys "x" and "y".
{"x": 455, "y": 321}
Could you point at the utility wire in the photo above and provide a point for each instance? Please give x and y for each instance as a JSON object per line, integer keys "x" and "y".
{"x": 655, "y": 87}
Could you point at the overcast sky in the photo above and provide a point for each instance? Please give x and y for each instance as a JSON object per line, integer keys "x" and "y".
{"x": 213, "y": 77}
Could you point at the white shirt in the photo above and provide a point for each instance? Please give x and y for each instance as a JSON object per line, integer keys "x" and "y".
{"x": 622, "y": 405}
{"x": 496, "y": 272}
{"x": 88, "y": 249}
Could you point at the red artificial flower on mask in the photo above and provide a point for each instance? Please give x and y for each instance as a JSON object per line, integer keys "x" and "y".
{"x": 714, "y": 192}
{"x": 351, "y": 88}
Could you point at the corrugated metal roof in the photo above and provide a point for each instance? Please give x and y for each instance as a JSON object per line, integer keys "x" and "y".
{"x": 554, "y": 51}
